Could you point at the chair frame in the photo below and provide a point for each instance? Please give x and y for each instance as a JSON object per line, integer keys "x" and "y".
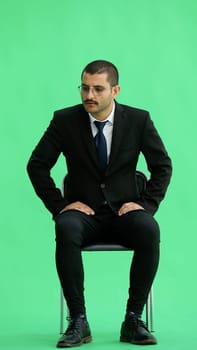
{"x": 141, "y": 180}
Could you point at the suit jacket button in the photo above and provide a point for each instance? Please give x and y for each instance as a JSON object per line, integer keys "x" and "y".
{"x": 102, "y": 185}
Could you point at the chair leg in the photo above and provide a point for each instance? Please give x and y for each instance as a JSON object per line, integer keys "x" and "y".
{"x": 149, "y": 311}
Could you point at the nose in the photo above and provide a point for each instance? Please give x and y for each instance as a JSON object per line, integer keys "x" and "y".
{"x": 90, "y": 93}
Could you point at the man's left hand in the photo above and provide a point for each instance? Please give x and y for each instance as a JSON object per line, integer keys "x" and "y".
{"x": 130, "y": 206}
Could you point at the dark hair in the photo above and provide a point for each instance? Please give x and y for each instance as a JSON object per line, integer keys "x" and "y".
{"x": 101, "y": 66}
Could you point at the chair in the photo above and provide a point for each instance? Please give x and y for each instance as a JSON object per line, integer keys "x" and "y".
{"x": 141, "y": 183}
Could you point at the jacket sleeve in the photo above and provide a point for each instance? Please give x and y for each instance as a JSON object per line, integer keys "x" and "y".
{"x": 43, "y": 158}
{"x": 159, "y": 165}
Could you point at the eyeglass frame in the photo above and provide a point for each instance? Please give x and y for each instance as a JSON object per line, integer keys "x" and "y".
{"x": 97, "y": 89}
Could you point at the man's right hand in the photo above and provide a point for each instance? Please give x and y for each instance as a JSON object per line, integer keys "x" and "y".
{"x": 80, "y": 207}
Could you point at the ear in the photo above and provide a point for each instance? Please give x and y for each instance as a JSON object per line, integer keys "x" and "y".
{"x": 115, "y": 90}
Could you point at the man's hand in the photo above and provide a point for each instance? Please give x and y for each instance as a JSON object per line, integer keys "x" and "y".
{"x": 80, "y": 207}
{"x": 130, "y": 206}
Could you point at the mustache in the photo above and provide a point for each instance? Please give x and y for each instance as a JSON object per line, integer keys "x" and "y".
{"x": 90, "y": 101}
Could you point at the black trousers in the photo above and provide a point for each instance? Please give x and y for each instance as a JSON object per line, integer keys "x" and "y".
{"x": 137, "y": 230}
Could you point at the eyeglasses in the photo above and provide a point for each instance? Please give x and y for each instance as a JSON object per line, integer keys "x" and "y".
{"x": 97, "y": 89}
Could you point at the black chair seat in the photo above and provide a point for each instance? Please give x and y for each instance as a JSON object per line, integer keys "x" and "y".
{"x": 104, "y": 247}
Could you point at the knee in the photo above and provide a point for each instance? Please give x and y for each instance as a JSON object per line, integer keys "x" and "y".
{"x": 149, "y": 233}
{"x": 68, "y": 228}
{"x": 153, "y": 234}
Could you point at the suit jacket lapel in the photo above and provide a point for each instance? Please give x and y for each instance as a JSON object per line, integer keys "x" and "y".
{"x": 118, "y": 132}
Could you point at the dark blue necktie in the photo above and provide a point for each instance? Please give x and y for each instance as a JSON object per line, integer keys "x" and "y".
{"x": 101, "y": 144}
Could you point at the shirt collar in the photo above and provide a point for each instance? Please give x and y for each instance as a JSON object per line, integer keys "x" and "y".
{"x": 110, "y": 117}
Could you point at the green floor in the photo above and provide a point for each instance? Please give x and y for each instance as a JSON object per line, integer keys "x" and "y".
{"x": 33, "y": 321}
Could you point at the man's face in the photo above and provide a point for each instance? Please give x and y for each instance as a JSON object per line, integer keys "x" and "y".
{"x": 97, "y": 94}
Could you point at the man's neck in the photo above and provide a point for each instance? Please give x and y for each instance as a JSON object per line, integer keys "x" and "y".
{"x": 105, "y": 114}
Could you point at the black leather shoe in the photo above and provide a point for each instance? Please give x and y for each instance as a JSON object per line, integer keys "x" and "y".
{"x": 134, "y": 331}
{"x": 77, "y": 333}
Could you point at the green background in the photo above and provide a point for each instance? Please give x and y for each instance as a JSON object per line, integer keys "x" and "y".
{"x": 44, "y": 46}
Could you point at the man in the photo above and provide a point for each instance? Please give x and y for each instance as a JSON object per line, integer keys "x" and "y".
{"x": 101, "y": 141}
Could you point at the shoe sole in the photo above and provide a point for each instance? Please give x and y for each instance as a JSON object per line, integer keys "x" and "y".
{"x": 139, "y": 342}
{"x": 83, "y": 341}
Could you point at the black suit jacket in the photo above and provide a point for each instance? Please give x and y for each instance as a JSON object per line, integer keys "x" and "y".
{"x": 70, "y": 133}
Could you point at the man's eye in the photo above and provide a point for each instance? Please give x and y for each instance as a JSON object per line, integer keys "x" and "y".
{"x": 98, "y": 88}
{"x": 85, "y": 88}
